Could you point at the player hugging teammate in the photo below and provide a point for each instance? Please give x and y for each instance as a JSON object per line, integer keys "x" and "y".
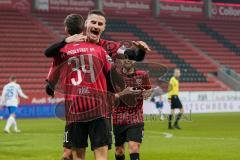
{"x": 94, "y": 26}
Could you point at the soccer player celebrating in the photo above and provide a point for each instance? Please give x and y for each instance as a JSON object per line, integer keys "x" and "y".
{"x": 94, "y": 26}
{"x": 10, "y": 99}
{"x": 90, "y": 66}
{"x": 89, "y": 73}
{"x": 173, "y": 92}
{"x": 127, "y": 116}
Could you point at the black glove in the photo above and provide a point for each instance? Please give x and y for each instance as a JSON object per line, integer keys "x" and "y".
{"x": 49, "y": 90}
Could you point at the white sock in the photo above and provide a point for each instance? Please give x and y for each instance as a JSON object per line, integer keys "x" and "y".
{"x": 10, "y": 121}
{"x": 15, "y": 124}
{"x": 160, "y": 112}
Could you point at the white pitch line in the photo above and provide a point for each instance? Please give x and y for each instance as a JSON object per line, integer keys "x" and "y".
{"x": 169, "y": 135}
{"x": 31, "y": 134}
{"x": 164, "y": 134}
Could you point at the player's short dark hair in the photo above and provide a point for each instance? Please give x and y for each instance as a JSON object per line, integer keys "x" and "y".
{"x": 97, "y": 12}
{"x": 12, "y": 78}
{"x": 74, "y": 24}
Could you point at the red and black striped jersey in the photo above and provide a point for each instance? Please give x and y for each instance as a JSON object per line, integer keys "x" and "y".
{"x": 111, "y": 47}
{"x": 130, "y": 108}
{"x": 81, "y": 75}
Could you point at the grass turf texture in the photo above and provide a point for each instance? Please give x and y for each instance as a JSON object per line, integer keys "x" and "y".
{"x": 208, "y": 136}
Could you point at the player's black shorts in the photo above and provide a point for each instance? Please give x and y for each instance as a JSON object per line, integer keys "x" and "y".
{"x": 175, "y": 102}
{"x": 66, "y": 140}
{"x": 126, "y": 133}
{"x": 98, "y": 131}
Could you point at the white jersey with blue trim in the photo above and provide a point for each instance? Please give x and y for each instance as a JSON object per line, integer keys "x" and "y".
{"x": 11, "y": 93}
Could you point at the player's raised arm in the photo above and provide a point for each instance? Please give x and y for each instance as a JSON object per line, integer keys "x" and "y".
{"x": 54, "y": 49}
{"x": 135, "y": 54}
{"x": 138, "y": 52}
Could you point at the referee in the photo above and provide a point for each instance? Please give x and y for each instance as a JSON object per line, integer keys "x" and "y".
{"x": 173, "y": 91}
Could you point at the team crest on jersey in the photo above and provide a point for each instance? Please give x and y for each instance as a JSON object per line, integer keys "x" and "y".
{"x": 139, "y": 81}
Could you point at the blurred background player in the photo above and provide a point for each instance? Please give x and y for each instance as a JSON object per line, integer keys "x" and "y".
{"x": 127, "y": 116}
{"x": 157, "y": 99}
{"x": 173, "y": 92}
{"x": 10, "y": 99}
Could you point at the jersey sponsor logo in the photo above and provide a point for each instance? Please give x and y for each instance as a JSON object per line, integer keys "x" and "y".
{"x": 80, "y": 50}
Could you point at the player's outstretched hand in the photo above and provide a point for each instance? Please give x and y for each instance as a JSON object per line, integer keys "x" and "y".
{"x": 141, "y": 45}
{"x": 129, "y": 90}
{"x": 147, "y": 93}
{"x": 76, "y": 38}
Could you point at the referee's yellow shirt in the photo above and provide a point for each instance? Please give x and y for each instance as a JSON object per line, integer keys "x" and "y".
{"x": 173, "y": 88}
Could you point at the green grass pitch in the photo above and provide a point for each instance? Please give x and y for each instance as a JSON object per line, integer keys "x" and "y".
{"x": 206, "y": 137}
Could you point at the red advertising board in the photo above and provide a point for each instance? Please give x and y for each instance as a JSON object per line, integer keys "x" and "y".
{"x": 127, "y": 7}
{"x": 181, "y": 8}
{"x": 226, "y": 11}
{"x": 22, "y": 5}
{"x": 64, "y": 5}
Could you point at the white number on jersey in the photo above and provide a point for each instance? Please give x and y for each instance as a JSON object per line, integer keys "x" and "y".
{"x": 75, "y": 60}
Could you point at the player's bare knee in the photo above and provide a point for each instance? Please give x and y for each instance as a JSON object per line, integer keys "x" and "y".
{"x": 67, "y": 154}
{"x": 133, "y": 147}
{"x": 13, "y": 115}
{"x": 119, "y": 150}
{"x": 78, "y": 154}
{"x": 101, "y": 153}
{"x": 66, "y": 158}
